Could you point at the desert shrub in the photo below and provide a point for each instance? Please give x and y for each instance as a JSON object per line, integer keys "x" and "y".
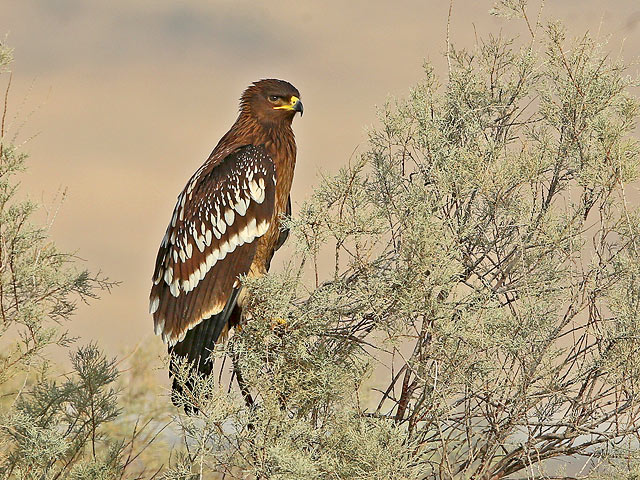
{"x": 82, "y": 424}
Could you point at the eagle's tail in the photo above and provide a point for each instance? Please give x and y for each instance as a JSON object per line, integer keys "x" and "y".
{"x": 196, "y": 348}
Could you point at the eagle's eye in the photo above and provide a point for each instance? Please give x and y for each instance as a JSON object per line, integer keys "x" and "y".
{"x": 273, "y": 98}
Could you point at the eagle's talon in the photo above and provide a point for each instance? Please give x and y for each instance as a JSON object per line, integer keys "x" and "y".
{"x": 279, "y": 323}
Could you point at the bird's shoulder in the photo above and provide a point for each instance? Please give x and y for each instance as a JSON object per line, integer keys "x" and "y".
{"x": 229, "y": 166}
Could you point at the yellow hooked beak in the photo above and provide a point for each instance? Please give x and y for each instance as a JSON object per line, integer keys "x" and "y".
{"x": 295, "y": 104}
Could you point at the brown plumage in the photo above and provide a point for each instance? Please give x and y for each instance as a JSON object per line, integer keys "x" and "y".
{"x": 226, "y": 223}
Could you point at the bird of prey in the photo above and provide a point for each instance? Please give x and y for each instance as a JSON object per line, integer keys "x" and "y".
{"x": 226, "y": 223}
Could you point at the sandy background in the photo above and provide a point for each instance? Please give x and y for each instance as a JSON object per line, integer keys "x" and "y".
{"x": 121, "y": 101}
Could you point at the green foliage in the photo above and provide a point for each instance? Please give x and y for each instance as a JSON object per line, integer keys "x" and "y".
{"x": 51, "y": 425}
{"x": 39, "y": 285}
{"x": 6, "y": 57}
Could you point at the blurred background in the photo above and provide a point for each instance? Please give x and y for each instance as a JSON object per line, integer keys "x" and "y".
{"x": 120, "y": 102}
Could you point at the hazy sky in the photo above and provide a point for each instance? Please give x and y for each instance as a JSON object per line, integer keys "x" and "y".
{"x": 122, "y": 100}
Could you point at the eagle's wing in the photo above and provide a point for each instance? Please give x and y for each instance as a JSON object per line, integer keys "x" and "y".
{"x": 211, "y": 240}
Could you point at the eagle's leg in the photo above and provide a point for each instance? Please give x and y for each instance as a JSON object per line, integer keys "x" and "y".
{"x": 244, "y": 389}
{"x": 248, "y": 399}
{"x": 236, "y": 321}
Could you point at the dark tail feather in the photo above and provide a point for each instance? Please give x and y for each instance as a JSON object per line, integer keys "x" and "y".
{"x": 197, "y": 346}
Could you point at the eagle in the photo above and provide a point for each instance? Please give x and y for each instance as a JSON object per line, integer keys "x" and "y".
{"x": 226, "y": 223}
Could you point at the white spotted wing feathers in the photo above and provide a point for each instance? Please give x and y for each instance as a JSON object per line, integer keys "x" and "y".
{"x": 211, "y": 240}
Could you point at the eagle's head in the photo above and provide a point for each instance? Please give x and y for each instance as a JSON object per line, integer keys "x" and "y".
{"x": 271, "y": 101}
